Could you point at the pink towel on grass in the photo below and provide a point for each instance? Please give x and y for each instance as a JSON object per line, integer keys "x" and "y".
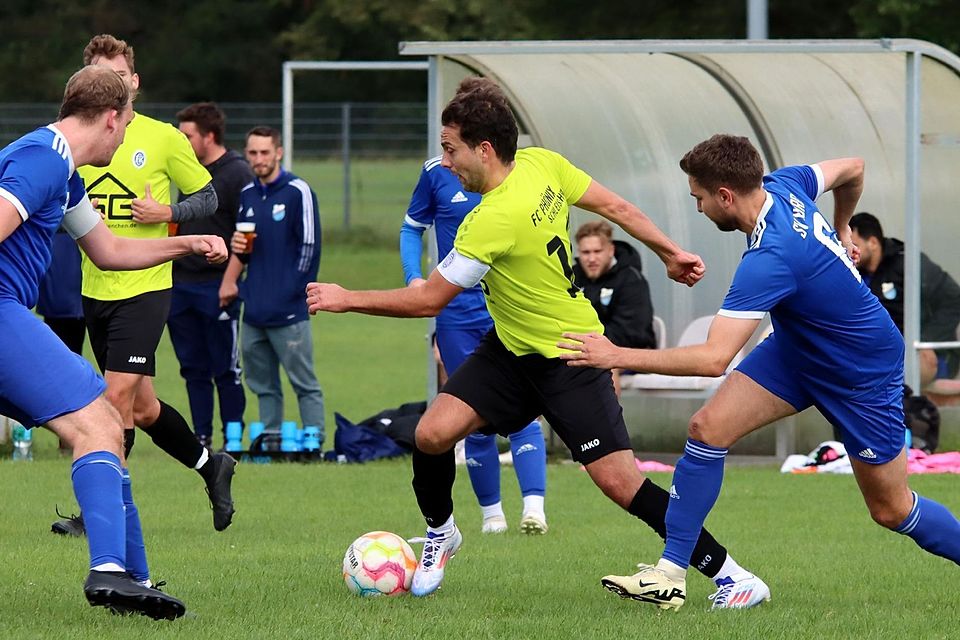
{"x": 920, "y": 462}
{"x": 648, "y": 466}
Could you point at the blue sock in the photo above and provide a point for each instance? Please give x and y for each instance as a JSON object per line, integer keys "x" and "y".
{"x": 136, "y": 564}
{"x": 932, "y": 527}
{"x": 483, "y": 465}
{"x": 530, "y": 459}
{"x": 696, "y": 485}
{"x": 96, "y": 484}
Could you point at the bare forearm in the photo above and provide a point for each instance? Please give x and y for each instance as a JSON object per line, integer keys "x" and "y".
{"x": 128, "y": 254}
{"x": 233, "y": 270}
{"x": 635, "y": 222}
{"x": 409, "y": 302}
{"x": 695, "y": 360}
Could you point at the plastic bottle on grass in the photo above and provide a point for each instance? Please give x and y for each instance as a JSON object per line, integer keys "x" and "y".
{"x": 22, "y": 443}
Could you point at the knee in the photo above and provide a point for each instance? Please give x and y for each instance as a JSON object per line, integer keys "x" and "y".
{"x": 702, "y": 429}
{"x": 888, "y": 514}
{"x": 145, "y": 414}
{"x": 430, "y": 439}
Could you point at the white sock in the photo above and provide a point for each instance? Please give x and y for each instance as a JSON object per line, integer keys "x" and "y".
{"x": 732, "y": 570}
{"x": 145, "y": 583}
{"x": 204, "y": 456}
{"x": 107, "y": 566}
{"x": 446, "y": 527}
{"x": 533, "y": 504}
{"x": 672, "y": 570}
{"x": 492, "y": 510}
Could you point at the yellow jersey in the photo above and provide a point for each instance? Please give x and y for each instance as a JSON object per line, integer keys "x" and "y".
{"x": 520, "y": 230}
{"x": 153, "y": 153}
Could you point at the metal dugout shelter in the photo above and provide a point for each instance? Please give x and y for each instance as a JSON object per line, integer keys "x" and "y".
{"x": 626, "y": 111}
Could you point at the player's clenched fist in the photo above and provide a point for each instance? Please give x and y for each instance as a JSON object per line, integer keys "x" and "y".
{"x": 210, "y": 247}
{"x": 322, "y": 296}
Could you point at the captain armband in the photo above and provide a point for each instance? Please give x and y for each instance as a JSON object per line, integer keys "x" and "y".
{"x": 462, "y": 271}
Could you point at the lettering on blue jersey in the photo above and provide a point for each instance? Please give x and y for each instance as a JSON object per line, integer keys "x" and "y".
{"x": 799, "y": 215}
{"x": 59, "y": 144}
{"x": 825, "y": 234}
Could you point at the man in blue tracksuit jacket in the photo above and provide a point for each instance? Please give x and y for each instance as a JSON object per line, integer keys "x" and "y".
{"x": 284, "y": 257}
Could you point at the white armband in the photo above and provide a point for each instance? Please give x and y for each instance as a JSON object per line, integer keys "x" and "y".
{"x": 462, "y": 271}
{"x": 821, "y": 184}
{"x": 80, "y": 219}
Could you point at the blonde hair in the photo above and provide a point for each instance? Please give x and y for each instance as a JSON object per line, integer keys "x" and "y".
{"x": 91, "y": 91}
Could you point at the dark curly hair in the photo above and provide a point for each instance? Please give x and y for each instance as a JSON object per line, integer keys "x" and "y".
{"x": 724, "y": 161}
{"x": 482, "y": 113}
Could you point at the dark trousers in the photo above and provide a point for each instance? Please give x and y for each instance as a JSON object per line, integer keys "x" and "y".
{"x": 205, "y": 339}
{"x": 70, "y": 330}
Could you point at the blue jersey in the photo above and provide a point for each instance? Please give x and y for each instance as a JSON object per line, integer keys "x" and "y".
{"x": 440, "y": 201}
{"x": 795, "y": 268}
{"x": 38, "y": 177}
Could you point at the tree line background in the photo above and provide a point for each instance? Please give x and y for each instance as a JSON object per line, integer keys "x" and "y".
{"x": 231, "y": 50}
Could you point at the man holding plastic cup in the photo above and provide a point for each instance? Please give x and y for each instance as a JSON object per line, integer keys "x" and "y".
{"x": 280, "y": 210}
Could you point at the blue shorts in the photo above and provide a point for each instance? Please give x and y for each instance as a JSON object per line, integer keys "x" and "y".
{"x": 869, "y": 416}
{"x": 456, "y": 344}
{"x": 40, "y": 378}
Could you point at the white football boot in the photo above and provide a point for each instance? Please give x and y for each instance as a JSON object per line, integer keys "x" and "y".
{"x": 740, "y": 594}
{"x": 437, "y": 550}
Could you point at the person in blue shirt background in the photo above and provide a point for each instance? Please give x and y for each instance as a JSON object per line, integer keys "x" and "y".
{"x": 284, "y": 258}
{"x": 441, "y": 202}
{"x": 833, "y": 346}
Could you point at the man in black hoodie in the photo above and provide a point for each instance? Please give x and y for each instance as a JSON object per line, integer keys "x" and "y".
{"x": 881, "y": 266}
{"x": 204, "y": 333}
{"x": 609, "y": 272}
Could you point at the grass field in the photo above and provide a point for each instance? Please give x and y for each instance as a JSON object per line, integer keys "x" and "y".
{"x": 276, "y": 572}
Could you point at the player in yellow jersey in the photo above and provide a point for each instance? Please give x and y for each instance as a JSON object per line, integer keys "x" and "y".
{"x": 126, "y": 311}
{"x": 516, "y": 245}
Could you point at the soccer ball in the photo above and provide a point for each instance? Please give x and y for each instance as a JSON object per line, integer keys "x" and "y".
{"x": 379, "y": 563}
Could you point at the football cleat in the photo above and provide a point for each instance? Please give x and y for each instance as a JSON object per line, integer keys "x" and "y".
{"x": 218, "y": 489}
{"x": 533, "y": 524}
{"x": 740, "y": 594}
{"x": 494, "y": 524}
{"x": 437, "y": 550}
{"x": 123, "y": 595}
{"x": 649, "y": 585}
{"x": 69, "y": 526}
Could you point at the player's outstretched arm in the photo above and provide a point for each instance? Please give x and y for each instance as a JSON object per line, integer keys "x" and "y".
{"x": 682, "y": 266}
{"x": 724, "y": 340}
{"x": 115, "y": 253}
{"x": 423, "y": 301}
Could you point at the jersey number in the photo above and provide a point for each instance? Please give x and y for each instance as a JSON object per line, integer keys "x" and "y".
{"x": 825, "y": 235}
{"x": 555, "y": 246}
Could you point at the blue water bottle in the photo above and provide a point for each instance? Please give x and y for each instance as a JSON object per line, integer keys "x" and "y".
{"x": 234, "y": 442}
{"x": 288, "y": 436}
{"x": 311, "y": 441}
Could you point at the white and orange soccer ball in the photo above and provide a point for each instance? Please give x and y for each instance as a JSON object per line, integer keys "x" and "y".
{"x": 379, "y": 563}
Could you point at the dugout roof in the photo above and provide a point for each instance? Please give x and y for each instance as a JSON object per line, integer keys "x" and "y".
{"x": 626, "y": 111}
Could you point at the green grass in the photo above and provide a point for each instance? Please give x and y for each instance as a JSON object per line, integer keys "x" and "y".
{"x": 276, "y": 571}
{"x": 379, "y": 194}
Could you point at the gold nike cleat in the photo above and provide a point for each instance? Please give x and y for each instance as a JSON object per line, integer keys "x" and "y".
{"x": 649, "y": 585}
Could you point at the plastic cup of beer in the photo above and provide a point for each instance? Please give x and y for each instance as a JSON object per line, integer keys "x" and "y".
{"x": 248, "y": 229}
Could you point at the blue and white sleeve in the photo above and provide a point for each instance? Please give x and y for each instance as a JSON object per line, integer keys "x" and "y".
{"x": 32, "y": 177}
{"x": 762, "y": 280}
{"x": 421, "y": 213}
{"x": 807, "y": 178}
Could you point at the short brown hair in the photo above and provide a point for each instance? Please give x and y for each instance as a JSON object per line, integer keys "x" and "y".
{"x": 724, "y": 161}
{"x": 208, "y": 117}
{"x": 599, "y": 228}
{"x": 481, "y": 110}
{"x": 107, "y": 46}
{"x": 266, "y": 132}
{"x": 91, "y": 91}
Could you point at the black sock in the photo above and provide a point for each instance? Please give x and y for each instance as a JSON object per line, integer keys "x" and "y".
{"x": 433, "y": 477}
{"x": 650, "y": 505}
{"x": 129, "y": 435}
{"x": 171, "y": 433}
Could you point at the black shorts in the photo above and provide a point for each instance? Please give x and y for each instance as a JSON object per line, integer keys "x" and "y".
{"x": 124, "y": 334}
{"x": 508, "y": 391}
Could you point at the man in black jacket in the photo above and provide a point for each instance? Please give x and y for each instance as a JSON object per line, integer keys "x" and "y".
{"x": 881, "y": 266}
{"x": 204, "y": 334}
{"x": 609, "y": 272}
